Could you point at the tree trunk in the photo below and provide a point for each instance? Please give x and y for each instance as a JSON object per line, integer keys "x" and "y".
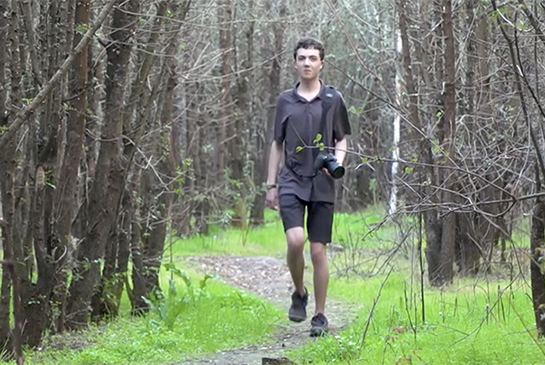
{"x": 8, "y": 166}
{"x": 448, "y": 232}
{"x": 537, "y": 245}
{"x": 138, "y": 293}
{"x": 66, "y": 186}
{"x": 431, "y": 221}
{"x": 6, "y": 189}
{"x": 264, "y": 135}
{"x": 106, "y": 298}
{"x": 154, "y": 230}
{"x": 202, "y": 164}
{"x": 467, "y": 252}
{"x": 5, "y": 299}
{"x": 230, "y": 122}
{"x": 105, "y": 193}
{"x": 5, "y": 288}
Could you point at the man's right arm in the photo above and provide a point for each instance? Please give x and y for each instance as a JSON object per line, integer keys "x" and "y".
{"x": 275, "y": 155}
{"x": 272, "y": 188}
{"x": 274, "y": 162}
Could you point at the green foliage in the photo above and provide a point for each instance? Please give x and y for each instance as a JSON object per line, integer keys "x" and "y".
{"x": 470, "y": 323}
{"x": 318, "y": 142}
{"x": 357, "y": 111}
{"x": 222, "y": 318}
{"x": 265, "y": 240}
{"x": 81, "y": 28}
{"x": 170, "y": 305}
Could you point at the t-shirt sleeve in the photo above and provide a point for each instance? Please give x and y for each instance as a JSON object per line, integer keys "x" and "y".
{"x": 279, "y": 131}
{"x": 341, "y": 124}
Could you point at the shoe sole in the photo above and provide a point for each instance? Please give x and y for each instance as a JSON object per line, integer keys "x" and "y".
{"x": 296, "y": 318}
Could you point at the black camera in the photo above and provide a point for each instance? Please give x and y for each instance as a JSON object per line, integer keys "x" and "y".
{"x": 328, "y": 160}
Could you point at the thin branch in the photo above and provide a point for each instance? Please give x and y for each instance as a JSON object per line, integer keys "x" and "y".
{"x": 532, "y": 20}
{"x": 373, "y": 306}
{"x": 516, "y": 71}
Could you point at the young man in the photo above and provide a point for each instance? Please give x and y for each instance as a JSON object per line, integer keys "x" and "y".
{"x": 297, "y": 132}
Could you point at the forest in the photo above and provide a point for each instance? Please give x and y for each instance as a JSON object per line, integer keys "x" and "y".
{"x": 128, "y": 126}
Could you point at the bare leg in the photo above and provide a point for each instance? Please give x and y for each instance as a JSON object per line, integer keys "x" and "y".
{"x": 296, "y": 261}
{"x": 321, "y": 274}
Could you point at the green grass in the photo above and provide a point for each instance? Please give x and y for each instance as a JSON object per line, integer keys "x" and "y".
{"x": 473, "y": 321}
{"x": 469, "y": 323}
{"x": 358, "y": 229}
{"x": 222, "y": 318}
{"x": 265, "y": 240}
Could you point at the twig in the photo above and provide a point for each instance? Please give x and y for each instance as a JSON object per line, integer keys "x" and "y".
{"x": 421, "y": 265}
{"x": 372, "y": 311}
{"x": 537, "y": 342}
{"x": 518, "y": 83}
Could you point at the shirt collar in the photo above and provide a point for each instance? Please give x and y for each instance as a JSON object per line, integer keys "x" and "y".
{"x": 298, "y": 97}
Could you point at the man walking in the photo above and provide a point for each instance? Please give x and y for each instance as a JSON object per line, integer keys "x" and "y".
{"x": 301, "y": 133}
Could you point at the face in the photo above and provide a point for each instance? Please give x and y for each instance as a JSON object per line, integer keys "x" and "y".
{"x": 308, "y": 63}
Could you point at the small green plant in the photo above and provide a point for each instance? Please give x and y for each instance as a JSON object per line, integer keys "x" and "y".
{"x": 170, "y": 305}
{"x": 318, "y": 142}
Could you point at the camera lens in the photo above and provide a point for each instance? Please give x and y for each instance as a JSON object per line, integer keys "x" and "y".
{"x": 335, "y": 170}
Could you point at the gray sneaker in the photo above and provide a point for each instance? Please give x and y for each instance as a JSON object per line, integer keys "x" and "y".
{"x": 318, "y": 325}
{"x": 298, "y": 309}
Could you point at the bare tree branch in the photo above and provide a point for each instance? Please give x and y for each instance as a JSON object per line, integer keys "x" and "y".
{"x": 50, "y": 85}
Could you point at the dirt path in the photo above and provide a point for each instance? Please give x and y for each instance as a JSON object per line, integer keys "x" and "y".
{"x": 268, "y": 277}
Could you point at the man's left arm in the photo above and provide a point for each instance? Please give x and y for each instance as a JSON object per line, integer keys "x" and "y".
{"x": 340, "y": 150}
{"x": 341, "y": 128}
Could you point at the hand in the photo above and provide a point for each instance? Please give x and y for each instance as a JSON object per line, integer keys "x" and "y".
{"x": 272, "y": 198}
{"x": 325, "y": 172}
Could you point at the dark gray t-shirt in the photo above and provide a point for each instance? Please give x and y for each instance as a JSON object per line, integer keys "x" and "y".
{"x": 297, "y": 125}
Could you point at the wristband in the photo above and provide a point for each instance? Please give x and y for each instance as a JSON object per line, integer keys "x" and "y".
{"x": 271, "y": 186}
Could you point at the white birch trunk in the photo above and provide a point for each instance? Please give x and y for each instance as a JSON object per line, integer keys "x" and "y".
{"x": 392, "y": 206}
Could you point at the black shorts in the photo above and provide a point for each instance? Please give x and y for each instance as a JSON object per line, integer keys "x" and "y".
{"x": 319, "y": 219}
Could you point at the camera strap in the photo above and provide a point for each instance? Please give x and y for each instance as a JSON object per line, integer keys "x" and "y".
{"x": 327, "y": 101}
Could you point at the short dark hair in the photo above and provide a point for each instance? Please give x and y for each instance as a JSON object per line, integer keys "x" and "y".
{"x": 309, "y": 43}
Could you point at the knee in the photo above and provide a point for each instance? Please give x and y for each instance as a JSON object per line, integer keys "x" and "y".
{"x": 318, "y": 253}
{"x": 296, "y": 240}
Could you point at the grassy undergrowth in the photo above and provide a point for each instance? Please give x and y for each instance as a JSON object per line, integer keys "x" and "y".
{"x": 269, "y": 238}
{"x": 218, "y": 318}
{"x": 473, "y": 321}
{"x": 469, "y": 323}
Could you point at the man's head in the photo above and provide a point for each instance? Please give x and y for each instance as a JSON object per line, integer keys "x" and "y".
{"x": 308, "y": 58}
{"x": 309, "y": 43}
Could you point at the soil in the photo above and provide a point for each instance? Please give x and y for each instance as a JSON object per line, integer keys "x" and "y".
{"x": 269, "y": 278}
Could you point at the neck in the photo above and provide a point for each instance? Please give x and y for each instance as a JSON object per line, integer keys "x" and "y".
{"x": 309, "y": 85}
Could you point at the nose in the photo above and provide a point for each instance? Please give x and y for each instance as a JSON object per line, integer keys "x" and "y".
{"x": 307, "y": 61}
